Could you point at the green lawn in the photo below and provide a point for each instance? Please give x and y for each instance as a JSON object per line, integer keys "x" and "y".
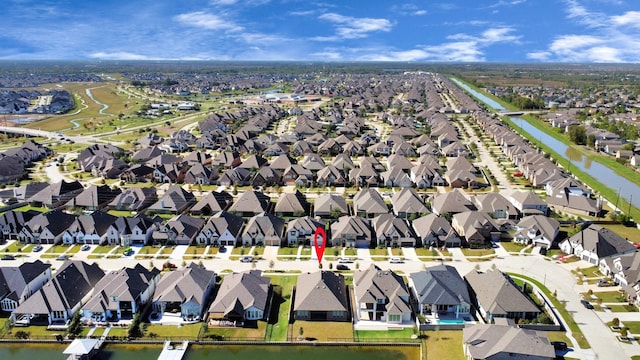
{"x": 422, "y": 251}
{"x": 258, "y": 251}
{"x": 240, "y": 250}
{"x": 16, "y": 246}
{"x": 58, "y": 249}
{"x": 279, "y": 317}
{"x": 512, "y": 246}
{"x": 443, "y": 344}
{"x": 610, "y": 296}
{"x": 103, "y": 249}
{"x": 195, "y": 250}
{"x": 403, "y": 335}
{"x": 627, "y": 232}
{"x": 590, "y": 271}
{"x": 230, "y": 333}
{"x": 633, "y": 326}
{"x": 287, "y": 251}
{"x": 623, "y": 308}
{"x": 477, "y": 252}
{"x": 324, "y": 330}
{"x": 379, "y": 252}
{"x": 171, "y": 331}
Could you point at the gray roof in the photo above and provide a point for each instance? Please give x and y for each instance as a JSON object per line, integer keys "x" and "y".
{"x": 602, "y": 241}
{"x": 73, "y": 281}
{"x": 407, "y": 200}
{"x": 246, "y": 289}
{"x": 251, "y": 201}
{"x": 373, "y": 284}
{"x": 126, "y": 284}
{"x": 321, "y": 291}
{"x": 326, "y": 202}
{"x": 369, "y": 201}
{"x": 440, "y": 285}
{"x": 183, "y": 285}
{"x": 497, "y": 294}
{"x": 485, "y": 341}
{"x": 14, "y": 279}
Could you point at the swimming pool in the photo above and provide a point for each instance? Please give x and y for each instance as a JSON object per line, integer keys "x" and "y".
{"x": 451, "y": 321}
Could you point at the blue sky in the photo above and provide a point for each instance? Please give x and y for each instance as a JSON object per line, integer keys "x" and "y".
{"x": 347, "y": 30}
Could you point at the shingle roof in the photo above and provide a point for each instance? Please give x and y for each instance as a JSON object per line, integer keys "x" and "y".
{"x": 246, "y": 289}
{"x": 321, "y": 291}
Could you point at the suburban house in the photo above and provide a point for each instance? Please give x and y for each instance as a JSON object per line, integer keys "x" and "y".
{"x": 134, "y": 199}
{"x": 476, "y": 227}
{"x": 528, "y": 203}
{"x": 570, "y": 195}
{"x": 407, "y": 204}
{"x": 381, "y": 296}
{"x": 351, "y": 231}
{"x": 121, "y": 294}
{"x": 134, "y": 230}
{"x": 95, "y": 197}
{"x": 434, "y": 230}
{"x": 46, "y": 228}
{"x": 61, "y": 296}
{"x": 223, "y": 228}
{"x": 328, "y": 205}
{"x": 175, "y": 201}
{"x": 17, "y": 283}
{"x": 392, "y": 231}
{"x": 292, "y": 205}
{"x": 451, "y": 202}
{"x": 440, "y": 292}
{"x": 538, "y": 230}
{"x": 56, "y": 194}
{"x": 496, "y": 205}
{"x": 301, "y": 230}
{"x": 321, "y": 296}
{"x": 180, "y": 230}
{"x": 495, "y": 295}
{"x": 95, "y": 228}
{"x": 183, "y": 293}
{"x": 211, "y": 203}
{"x": 369, "y": 203}
{"x": 250, "y": 203}
{"x": 265, "y": 229}
{"x": 595, "y": 243}
{"x": 242, "y": 296}
{"x": 488, "y": 341}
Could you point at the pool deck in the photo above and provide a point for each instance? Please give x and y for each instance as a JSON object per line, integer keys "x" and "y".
{"x": 170, "y": 352}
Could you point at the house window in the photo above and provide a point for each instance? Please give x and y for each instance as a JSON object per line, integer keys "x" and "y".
{"x": 337, "y": 314}
{"x": 394, "y": 318}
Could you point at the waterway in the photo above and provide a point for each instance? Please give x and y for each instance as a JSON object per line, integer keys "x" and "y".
{"x": 227, "y": 352}
{"x": 604, "y": 175}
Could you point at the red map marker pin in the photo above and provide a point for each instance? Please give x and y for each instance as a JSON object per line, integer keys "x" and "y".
{"x": 320, "y": 247}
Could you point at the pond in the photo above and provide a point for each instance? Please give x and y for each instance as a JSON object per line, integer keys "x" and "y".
{"x": 227, "y": 352}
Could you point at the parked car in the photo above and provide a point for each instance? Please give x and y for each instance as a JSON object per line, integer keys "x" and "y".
{"x": 342, "y": 267}
{"x": 543, "y": 251}
{"x": 37, "y": 248}
{"x": 559, "y": 345}
{"x": 85, "y": 247}
{"x": 222, "y": 249}
{"x": 344, "y": 260}
{"x": 586, "y": 304}
{"x": 246, "y": 259}
{"x": 395, "y": 260}
{"x": 8, "y": 257}
{"x": 62, "y": 257}
{"x": 605, "y": 283}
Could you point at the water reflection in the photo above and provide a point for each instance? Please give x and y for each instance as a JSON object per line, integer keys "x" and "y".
{"x": 573, "y": 154}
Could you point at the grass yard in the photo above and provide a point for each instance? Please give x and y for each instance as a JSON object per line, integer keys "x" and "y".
{"x": 119, "y": 332}
{"x": 396, "y": 251}
{"x": 148, "y": 250}
{"x": 422, "y": 251}
{"x": 632, "y": 326}
{"x": 240, "y": 250}
{"x": 589, "y": 272}
{"x": 610, "y": 296}
{"x": 167, "y": 250}
{"x": 558, "y": 336}
{"x": 403, "y": 335}
{"x": 511, "y": 246}
{"x": 379, "y": 252}
{"x": 231, "y": 333}
{"x": 195, "y": 250}
{"x": 279, "y": 317}
{"x": 288, "y": 251}
{"x": 58, "y": 249}
{"x": 103, "y": 249}
{"x": 350, "y": 252}
{"x": 443, "y": 344}
{"x": 623, "y": 308}
{"x": 324, "y": 330}
{"x": 627, "y": 232}
{"x": 258, "y": 251}
{"x": 171, "y": 331}
{"x": 16, "y": 246}
{"x": 477, "y": 252}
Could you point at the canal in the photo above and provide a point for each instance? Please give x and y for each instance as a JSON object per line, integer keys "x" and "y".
{"x": 226, "y": 352}
{"x": 601, "y": 173}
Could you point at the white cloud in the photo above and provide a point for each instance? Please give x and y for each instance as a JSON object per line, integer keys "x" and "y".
{"x": 348, "y": 27}
{"x": 584, "y": 16}
{"x": 118, "y": 55}
{"x": 408, "y": 10}
{"x": 223, "y": 2}
{"x": 208, "y": 21}
{"x": 630, "y": 18}
{"x": 502, "y": 3}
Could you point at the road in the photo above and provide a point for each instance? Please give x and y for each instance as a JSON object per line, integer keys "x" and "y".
{"x": 554, "y": 275}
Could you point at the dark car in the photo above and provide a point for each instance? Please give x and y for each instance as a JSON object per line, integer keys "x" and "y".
{"x": 543, "y": 251}
{"x": 8, "y": 257}
{"x": 222, "y": 249}
{"x": 586, "y": 304}
{"x": 342, "y": 267}
{"x": 559, "y": 345}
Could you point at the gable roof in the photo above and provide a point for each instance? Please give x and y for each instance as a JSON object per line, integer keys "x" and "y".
{"x": 601, "y": 241}
{"x": 440, "y": 285}
{"x": 497, "y": 294}
{"x": 182, "y": 285}
{"x": 126, "y": 284}
{"x": 246, "y": 289}
{"x": 321, "y": 291}
{"x": 373, "y": 284}
{"x": 485, "y": 341}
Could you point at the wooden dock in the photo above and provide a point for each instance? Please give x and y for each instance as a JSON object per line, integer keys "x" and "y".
{"x": 173, "y": 352}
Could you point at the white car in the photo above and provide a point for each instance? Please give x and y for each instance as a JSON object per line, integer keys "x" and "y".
{"x": 344, "y": 260}
{"x": 246, "y": 259}
{"x": 395, "y": 260}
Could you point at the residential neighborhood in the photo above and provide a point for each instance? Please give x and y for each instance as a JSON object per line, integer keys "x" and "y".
{"x": 438, "y": 216}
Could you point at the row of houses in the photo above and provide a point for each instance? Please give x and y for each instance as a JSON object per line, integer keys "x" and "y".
{"x": 33, "y": 296}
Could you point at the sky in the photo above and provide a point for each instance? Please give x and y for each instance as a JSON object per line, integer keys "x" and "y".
{"x": 585, "y": 31}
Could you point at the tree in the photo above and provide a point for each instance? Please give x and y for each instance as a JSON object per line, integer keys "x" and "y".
{"x": 271, "y": 264}
{"x": 300, "y": 332}
{"x": 578, "y": 135}
{"x": 624, "y": 332}
{"x": 615, "y": 321}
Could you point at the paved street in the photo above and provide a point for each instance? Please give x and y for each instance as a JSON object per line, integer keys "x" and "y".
{"x": 553, "y": 274}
